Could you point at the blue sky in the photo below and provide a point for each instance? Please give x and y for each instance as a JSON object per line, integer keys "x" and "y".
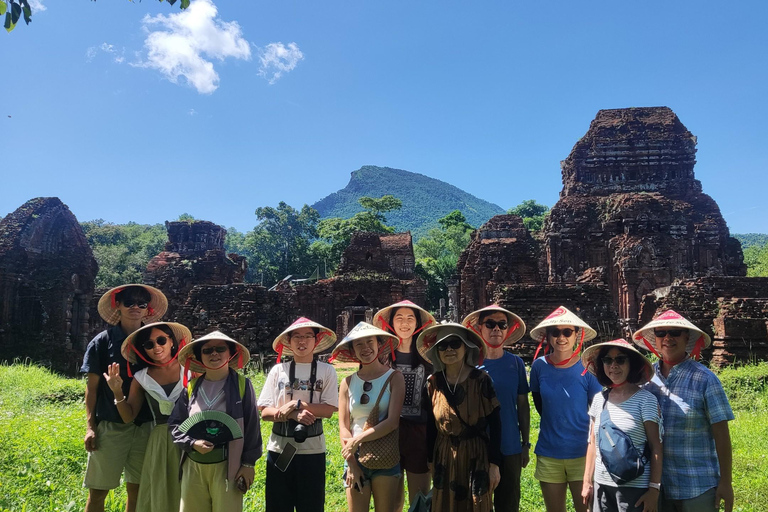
{"x": 137, "y": 111}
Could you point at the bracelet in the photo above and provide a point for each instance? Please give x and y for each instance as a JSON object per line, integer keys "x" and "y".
{"x": 121, "y": 400}
{"x": 246, "y": 465}
{"x": 654, "y": 485}
{"x": 298, "y": 405}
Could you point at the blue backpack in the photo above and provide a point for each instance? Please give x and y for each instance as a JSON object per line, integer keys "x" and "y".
{"x": 620, "y": 457}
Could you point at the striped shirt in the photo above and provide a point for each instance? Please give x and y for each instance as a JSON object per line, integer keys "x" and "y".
{"x": 630, "y": 416}
{"x": 691, "y": 399}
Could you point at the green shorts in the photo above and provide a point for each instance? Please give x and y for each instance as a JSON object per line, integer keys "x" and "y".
{"x": 118, "y": 446}
{"x": 559, "y": 471}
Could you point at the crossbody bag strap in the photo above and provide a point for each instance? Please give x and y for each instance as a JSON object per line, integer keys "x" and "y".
{"x": 374, "y": 419}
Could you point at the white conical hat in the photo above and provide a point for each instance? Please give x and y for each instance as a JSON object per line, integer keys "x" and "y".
{"x": 562, "y": 316}
{"x": 324, "y": 339}
{"x": 180, "y": 332}
{"x": 428, "y": 340}
{"x": 590, "y": 354}
{"x": 645, "y": 337}
{"x": 107, "y": 306}
{"x": 344, "y": 351}
{"x": 516, "y": 324}
{"x": 187, "y": 356}
{"x": 382, "y": 317}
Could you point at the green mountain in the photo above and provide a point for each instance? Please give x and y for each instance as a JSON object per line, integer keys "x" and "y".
{"x": 425, "y": 199}
{"x": 748, "y": 240}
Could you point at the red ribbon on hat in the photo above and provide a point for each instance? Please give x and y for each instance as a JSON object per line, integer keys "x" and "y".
{"x": 150, "y": 310}
{"x": 279, "y": 351}
{"x": 511, "y": 330}
{"x": 112, "y": 300}
{"x": 575, "y": 353}
{"x": 161, "y": 365}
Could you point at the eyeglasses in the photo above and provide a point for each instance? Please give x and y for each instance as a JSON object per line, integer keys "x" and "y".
{"x": 453, "y": 343}
{"x": 364, "y": 398}
{"x": 219, "y": 349}
{"x": 150, "y": 344}
{"x": 619, "y": 360}
{"x": 300, "y": 337}
{"x": 492, "y": 324}
{"x": 674, "y": 334}
{"x": 140, "y": 303}
{"x": 555, "y": 332}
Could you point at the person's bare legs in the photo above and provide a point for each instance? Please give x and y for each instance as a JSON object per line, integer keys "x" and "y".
{"x": 359, "y": 501}
{"x": 132, "y": 490}
{"x": 554, "y": 496}
{"x": 417, "y": 482}
{"x": 385, "y": 493}
{"x": 95, "y": 501}
{"x": 578, "y": 503}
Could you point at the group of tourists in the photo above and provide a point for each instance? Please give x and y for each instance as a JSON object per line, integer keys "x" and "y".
{"x": 442, "y": 406}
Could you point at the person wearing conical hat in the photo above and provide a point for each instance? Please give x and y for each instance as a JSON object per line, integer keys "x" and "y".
{"x": 464, "y": 429}
{"x": 218, "y": 457}
{"x": 160, "y": 383}
{"x": 619, "y": 367}
{"x": 297, "y": 396}
{"x": 374, "y": 387}
{"x": 562, "y": 393}
{"x": 115, "y": 447}
{"x": 697, "y": 441}
{"x": 406, "y": 320}
{"x": 500, "y": 328}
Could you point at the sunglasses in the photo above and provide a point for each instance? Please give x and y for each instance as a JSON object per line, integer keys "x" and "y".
{"x": 210, "y": 350}
{"x": 150, "y": 344}
{"x": 492, "y": 324}
{"x": 453, "y": 343}
{"x": 140, "y": 303}
{"x": 619, "y": 360}
{"x": 674, "y": 334}
{"x": 364, "y": 398}
{"x": 555, "y": 333}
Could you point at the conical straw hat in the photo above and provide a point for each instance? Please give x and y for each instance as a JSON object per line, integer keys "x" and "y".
{"x": 588, "y": 357}
{"x": 516, "y": 324}
{"x": 180, "y": 332}
{"x": 187, "y": 356}
{"x": 107, "y": 306}
{"x": 382, "y": 317}
{"x": 669, "y": 318}
{"x": 345, "y": 353}
{"x": 324, "y": 338}
{"x": 562, "y": 316}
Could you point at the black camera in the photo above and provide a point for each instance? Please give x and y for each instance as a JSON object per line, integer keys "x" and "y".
{"x": 300, "y": 432}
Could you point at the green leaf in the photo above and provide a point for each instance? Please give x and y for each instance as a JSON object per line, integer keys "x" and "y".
{"x": 3, "y": 7}
{"x": 27, "y": 14}
{"x": 8, "y": 24}
{"x": 15, "y": 12}
{"x": 184, "y": 4}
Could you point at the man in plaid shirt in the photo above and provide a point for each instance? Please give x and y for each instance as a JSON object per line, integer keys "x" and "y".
{"x": 697, "y": 441}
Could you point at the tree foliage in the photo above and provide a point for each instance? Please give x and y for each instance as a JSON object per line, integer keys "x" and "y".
{"x": 438, "y": 252}
{"x": 123, "y": 250}
{"x": 532, "y": 213}
{"x": 756, "y": 258}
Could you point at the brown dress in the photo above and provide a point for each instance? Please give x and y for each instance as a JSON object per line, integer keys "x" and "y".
{"x": 460, "y": 479}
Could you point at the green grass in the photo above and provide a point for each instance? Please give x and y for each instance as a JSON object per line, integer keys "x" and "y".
{"x": 42, "y": 460}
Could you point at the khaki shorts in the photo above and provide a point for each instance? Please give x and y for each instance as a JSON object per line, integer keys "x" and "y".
{"x": 118, "y": 446}
{"x": 559, "y": 471}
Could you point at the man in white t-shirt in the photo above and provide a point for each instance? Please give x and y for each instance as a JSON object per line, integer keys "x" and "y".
{"x": 296, "y": 396}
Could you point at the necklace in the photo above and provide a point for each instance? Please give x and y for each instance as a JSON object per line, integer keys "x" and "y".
{"x": 455, "y": 384}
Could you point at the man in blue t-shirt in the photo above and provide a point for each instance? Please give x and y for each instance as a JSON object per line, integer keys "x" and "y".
{"x": 498, "y": 328}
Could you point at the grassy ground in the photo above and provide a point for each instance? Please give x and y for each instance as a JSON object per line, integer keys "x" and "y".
{"x": 42, "y": 460}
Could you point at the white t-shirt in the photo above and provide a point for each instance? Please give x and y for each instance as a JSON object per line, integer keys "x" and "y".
{"x": 630, "y": 416}
{"x": 277, "y": 391}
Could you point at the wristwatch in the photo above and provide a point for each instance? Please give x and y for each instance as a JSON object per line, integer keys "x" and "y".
{"x": 526, "y": 445}
{"x": 654, "y": 485}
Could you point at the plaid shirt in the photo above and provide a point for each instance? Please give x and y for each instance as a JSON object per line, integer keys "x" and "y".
{"x": 691, "y": 400}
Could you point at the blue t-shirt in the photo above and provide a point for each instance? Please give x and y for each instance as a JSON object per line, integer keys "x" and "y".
{"x": 509, "y": 381}
{"x": 565, "y": 399}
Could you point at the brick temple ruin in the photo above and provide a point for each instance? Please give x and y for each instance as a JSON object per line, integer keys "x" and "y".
{"x": 632, "y": 234}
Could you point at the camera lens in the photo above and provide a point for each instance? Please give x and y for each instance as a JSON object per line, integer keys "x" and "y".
{"x": 300, "y": 433}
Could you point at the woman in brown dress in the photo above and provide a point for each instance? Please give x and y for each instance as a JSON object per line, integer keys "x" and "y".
{"x": 464, "y": 428}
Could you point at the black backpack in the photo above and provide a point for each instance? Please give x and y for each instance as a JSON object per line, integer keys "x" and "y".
{"x": 620, "y": 457}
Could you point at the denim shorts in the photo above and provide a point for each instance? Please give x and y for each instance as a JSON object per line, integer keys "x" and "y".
{"x": 370, "y": 474}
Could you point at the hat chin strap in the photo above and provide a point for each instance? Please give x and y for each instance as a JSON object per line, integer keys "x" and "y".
{"x": 386, "y": 326}
{"x": 161, "y": 365}
{"x": 491, "y": 345}
{"x": 282, "y": 345}
{"x": 575, "y": 353}
{"x": 238, "y": 353}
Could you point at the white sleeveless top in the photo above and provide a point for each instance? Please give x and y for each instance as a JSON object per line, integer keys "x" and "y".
{"x": 358, "y": 412}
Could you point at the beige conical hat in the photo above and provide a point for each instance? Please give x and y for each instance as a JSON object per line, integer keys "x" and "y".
{"x": 645, "y": 336}
{"x": 180, "y": 333}
{"x": 516, "y": 324}
{"x": 428, "y": 340}
{"x": 237, "y": 361}
{"x": 344, "y": 352}
{"x": 590, "y": 354}
{"x": 324, "y": 338}
{"x": 107, "y": 306}
{"x": 382, "y": 317}
{"x": 562, "y": 316}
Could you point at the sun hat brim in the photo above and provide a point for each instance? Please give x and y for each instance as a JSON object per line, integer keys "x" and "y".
{"x": 589, "y": 356}
{"x": 562, "y": 316}
{"x": 325, "y": 337}
{"x": 382, "y": 317}
{"x": 110, "y": 314}
{"x": 515, "y": 322}
{"x": 669, "y": 318}
{"x": 428, "y": 340}
{"x": 180, "y": 332}
{"x": 344, "y": 351}
{"x": 187, "y": 354}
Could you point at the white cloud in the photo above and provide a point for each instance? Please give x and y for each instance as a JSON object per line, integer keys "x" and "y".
{"x": 276, "y": 59}
{"x": 107, "y": 48}
{"x": 187, "y": 41}
{"x": 192, "y": 112}
{"x": 36, "y": 6}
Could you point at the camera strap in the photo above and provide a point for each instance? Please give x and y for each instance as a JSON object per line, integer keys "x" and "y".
{"x": 312, "y": 377}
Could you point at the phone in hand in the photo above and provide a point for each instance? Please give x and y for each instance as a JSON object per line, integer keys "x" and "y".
{"x": 285, "y": 458}
{"x": 241, "y": 485}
